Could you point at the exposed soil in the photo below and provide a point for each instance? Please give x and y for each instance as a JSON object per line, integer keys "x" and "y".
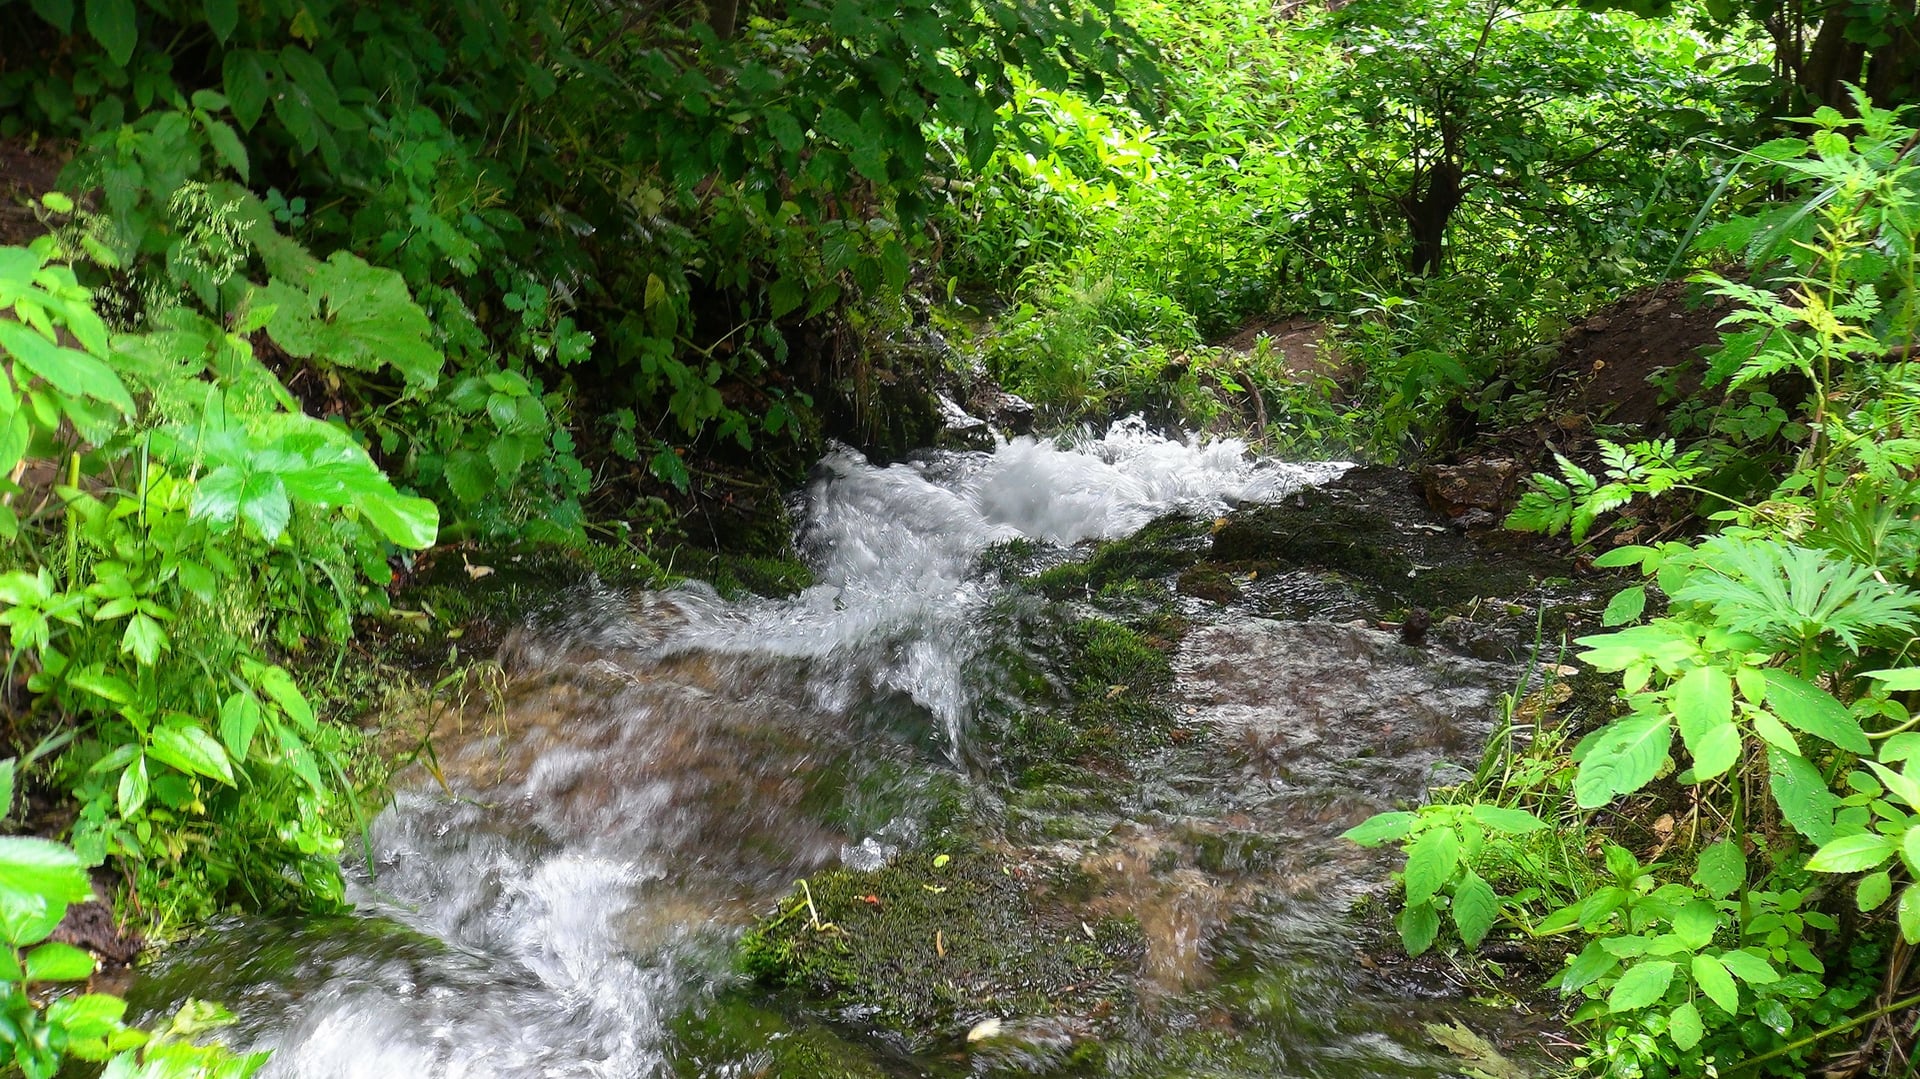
{"x": 26, "y": 171}
{"x": 1607, "y": 363}
{"x": 1622, "y": 369}
{"x": 1303, "y": 347}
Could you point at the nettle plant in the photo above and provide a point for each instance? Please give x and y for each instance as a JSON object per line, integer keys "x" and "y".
{"x": 176, "y": 522}
{"x": 39, "y": 880}
{"x": 1762, "y": 670}
{"x": 1444, "y": 845}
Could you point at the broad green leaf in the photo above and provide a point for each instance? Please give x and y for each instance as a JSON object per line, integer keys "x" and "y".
{"x": 244, "y": 78}
{"x": 1773, "y": 732}
{"x": 1873, "y": 890}
{"x": 1626, "y": 606}
{"x": 1684, "y": 1026}
{"x": 1419, "y": 924}
{"x": 111, "y": 22}
{"x": 1807, "y": 707}
{"x": 1507, "y": 820}
{"x": 1475, "y": 908}
{"x": 1851, "y": 854}
{"x": 1643, "y": 984}
{"x": 1897, "y": 679}
{"x": 264, "y": 504}
{"x": 1695, "y": 923}
{"x": 39, "y": 879}
{"x": 68, "y": 370}
{"x": 1380, "y": 828}
{"x": 191, "y": 750}
{"x": 57, "y": 12}
{"x": 277, "y": 684}
{"x": 55, "y": 962}
{"x": 91, "y": 1015}
{"x": 133, "y": 789}
{"x": 408, "y": 522}
{"x": 1593, "y": 963}
{"x": 1748, "y": 967}
{"x": 143, "y": 639}
{"x": 1621, "y": 557}
{"x": 222, "y": 17}
{"x": 358, "y": 316}
{"x": 1909, "y": 913}
{"x": 1721, "y": 869}
{"x": 1431, "y": 861}
{"x": 1802, "y": 794}
{"x": 1626, "y": 757}
{"x": 227, "y": 144}
{"x": 240, "y": 717}
{"x": 1710, "y": 974}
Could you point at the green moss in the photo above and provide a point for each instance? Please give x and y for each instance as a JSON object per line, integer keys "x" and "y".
{"x": 736, "y": 1036}
{"x": 927, "y": 952}
{"x": 1163, "y": 548}
{"x": 1209, "y": 582}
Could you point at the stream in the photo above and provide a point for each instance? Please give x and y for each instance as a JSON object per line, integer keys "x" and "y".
{"x": 1168, "y": 893}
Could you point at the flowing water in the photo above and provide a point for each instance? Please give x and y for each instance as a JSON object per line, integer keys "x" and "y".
{"x": 664, "y": 766}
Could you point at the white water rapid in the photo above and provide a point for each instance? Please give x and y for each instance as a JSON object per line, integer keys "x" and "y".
{"x": 657, "y": 775}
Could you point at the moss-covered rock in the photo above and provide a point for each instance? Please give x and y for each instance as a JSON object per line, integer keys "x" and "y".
{"x": 1161, "y": 549}
{"x": 737, "y": 1036}
{"x": 1367, "y": 543}
{"x": 929, "y": 952}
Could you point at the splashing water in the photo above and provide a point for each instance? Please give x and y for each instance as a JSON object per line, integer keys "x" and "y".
{"x": 673, "y": 762}
{"x": 897, "y": 548}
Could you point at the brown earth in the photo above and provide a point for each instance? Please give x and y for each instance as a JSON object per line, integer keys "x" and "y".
{"x": 26, "y": 170}
{"x": 1604, "y": 376}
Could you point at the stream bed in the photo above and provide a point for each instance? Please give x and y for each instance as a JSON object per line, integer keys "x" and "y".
{"x": 1044, "y": 774}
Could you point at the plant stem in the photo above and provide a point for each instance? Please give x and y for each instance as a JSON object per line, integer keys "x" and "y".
{"x": 1838, "y": 1028}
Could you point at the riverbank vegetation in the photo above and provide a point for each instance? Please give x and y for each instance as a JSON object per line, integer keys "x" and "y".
{"x": 297, "y": 297}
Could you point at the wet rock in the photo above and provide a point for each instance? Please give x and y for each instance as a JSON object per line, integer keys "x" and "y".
{"x": 1474, "y": 494}
{"x": 1009, "y": 413}
{"x": 929, "y": 952}
{"x": 961, "y": 430}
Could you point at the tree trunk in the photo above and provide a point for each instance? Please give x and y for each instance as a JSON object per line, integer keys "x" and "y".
{"x": 1427, "y": 207}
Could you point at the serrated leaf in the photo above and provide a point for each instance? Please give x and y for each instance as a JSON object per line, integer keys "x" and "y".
{"x": 1431, "y": 861}
{"x": 1873, "y": 890}
{"x": 1684, "y": 1026}
{"x": 191, "y": 750}
{"x": 132, "y": 791}
{"x": 56, "y": 962}
{"x": 240, "y": 718}
{"x": 1643, "y": 984}
{"x": 1807, "y": 707}
{"x": 111, "y": 22}
{"x": 222, "y": 17}
{"x": 1749, "y": 967}
{"x": 1475, "y": 907}
{"x": 1507, "y": 820}
{"x": 1380, "y": 828}
{"x": 1802, "y": 794}
{"x": 1418, "y": 926}
{"x": 1626, "y": 606}
{"x": 1710, "y": 974}
{"x": 1625, "y": 757}
{"x": 1695, "y": 923}
{"x": 1851, "y": 854}
{"x": 1909, "y": 914}
{"x": 1593, "y": 963}
{"x": 280, "y": 687}
{"x": 1721, "y": 869}
{"x": 1897, "y": 679}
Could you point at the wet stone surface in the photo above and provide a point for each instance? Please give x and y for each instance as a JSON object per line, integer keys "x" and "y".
{"x": 1044, "y": 775}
